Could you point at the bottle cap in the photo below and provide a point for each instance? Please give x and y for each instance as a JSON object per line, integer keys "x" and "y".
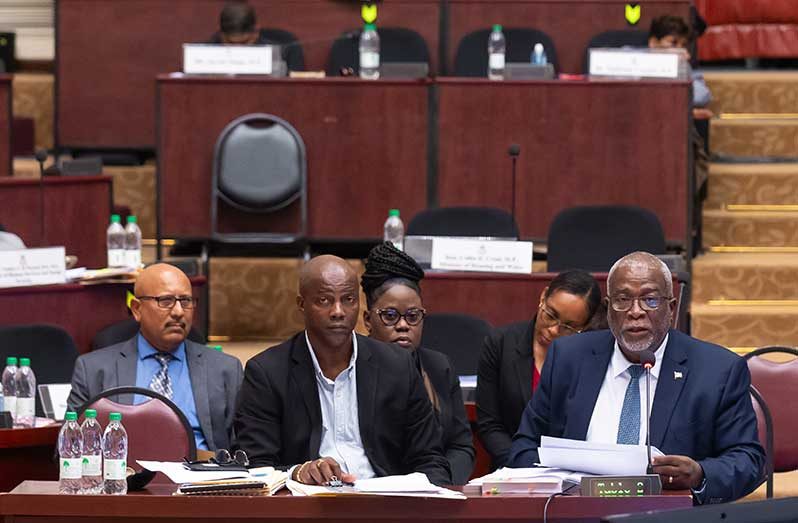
{"x": 115, "y": 218}
{"x": 131, "y": 219}
{"x": 217, "y": 348}
{"x": 497, "y": 27}
{"x": 393, "y": 212}
{"x": 11, "y": 360}
{"x": 24, "y": 362}
{"x": 115, "y": 416}
{"x": 71, "y": 416}
{"x": 370, "y": 27}
{"x": 538, "y": 47}
{"x": 90, "y": 413}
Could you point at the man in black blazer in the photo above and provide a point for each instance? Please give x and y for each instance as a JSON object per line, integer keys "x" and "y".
{"x": 334, "y": 403}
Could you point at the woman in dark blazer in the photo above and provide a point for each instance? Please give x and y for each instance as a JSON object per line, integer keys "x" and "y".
{"x": 395, "y": 314}
{"x": 512, "y": 357}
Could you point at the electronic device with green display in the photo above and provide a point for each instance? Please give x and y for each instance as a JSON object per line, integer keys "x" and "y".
{"x": 621, "y": 486}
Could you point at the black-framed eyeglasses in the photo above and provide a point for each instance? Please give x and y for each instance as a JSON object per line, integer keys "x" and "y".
{"x": 223, "y": 457}
{"x": 550, "y": 319}
{"x": 168, "y": 301}
{"x": 391, "y": 316}
{"x": 622, "y": 303}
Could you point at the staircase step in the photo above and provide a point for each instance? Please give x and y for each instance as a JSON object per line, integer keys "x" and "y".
{"x": 750, "y": 228}
{"x": 753, "y": 91}
{"x": 752, "y": 184}
{"x": 744, "y": 327}
{"x": 744, "y": 276}
{"x": 755, "y": 137}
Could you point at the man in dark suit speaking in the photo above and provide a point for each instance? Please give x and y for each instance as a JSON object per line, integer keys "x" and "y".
{"x": 199, "y": 380}
{"x": 333, "y": 403}
{"x": 701, "y": 415}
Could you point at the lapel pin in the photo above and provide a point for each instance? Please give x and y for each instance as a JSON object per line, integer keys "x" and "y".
{"x": 677, "y": 375}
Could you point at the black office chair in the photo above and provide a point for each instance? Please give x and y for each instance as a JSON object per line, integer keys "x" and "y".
{"x": 472, "y": 52}
{"x": 463, "y": 221}
{"x": 459, "y": 336}
{"x": 622, "y": 38}
{"x": 592, "y": 238}
{"x": 397, "y": 44}
{"x": 259, "y": 167}
{"x": 291, "y": 49}
{"x": 51, "y": 349}
{"x": 126, "y": 329}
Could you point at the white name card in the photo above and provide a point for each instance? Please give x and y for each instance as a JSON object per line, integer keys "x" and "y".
{"x": 227, "y": 59}
{"x": 32, "y": 267}
{"x": 636, "y": 63}
{"x": 453, "y": 254}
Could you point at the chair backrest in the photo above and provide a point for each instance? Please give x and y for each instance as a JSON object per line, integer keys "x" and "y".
{"x": 617, "y": 38}
{"x": 157, "y": 429}
{"x": 777, "y": 382}
{"x": 764, "y": 426}
{"x": 592, "y": 238}
{"x": 50, "y": 348}
{"x": 459, "y": 336}
{"x": 471, "y": 58}
{"x": 463, "y": 221}
{"x": 397, "y": 44}
{"x": 126, "y": 329}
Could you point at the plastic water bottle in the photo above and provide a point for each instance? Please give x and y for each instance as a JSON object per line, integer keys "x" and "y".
{"x": 115, "y": 239}
{"x": 92, "y": 463}
{"x": 9, "y": 386}
{"x": 496, "y": 48}
{"x": 394, "y": 230}
{"x": 132, "y": 243}
{"x": 26, "y": 394}
{"x": 538, "y": 55}
{"x": 115, "y": 456}
{"x": 70, "y": 450}
{"x": 369, "y": 53}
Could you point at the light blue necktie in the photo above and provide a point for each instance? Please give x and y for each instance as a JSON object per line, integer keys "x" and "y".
{"x": 629, "y": 426}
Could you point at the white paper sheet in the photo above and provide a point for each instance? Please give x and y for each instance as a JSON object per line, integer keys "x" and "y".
{"x": 179, "y": 474}
{"x": 595, "y": 458}
{"x": 410, "y": 485}
{"x": 528, "y": 473}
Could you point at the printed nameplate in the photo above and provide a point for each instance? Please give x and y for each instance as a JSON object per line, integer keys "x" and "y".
{"x": 453, "y": 254}
{"x": 227, "y": 59}
{"x": 24, "y": 267}
{"x": 634, "y": 63}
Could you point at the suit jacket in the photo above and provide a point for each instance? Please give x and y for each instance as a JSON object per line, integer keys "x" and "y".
{"x": 457, "y": 441}
{"x": 701, "y": 408}
{"x": 504, "y": 386}
{"x": 278, "y": 418}
{"x": 215, "y": 378}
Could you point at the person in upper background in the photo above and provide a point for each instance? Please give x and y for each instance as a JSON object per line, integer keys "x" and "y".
{"x": 672, "y": 32}
{"x": 202, "y": 382}
{"x": 396, "y": 315}
{"x": 238, "y": 26}
{"x": 333, "y": 403}
{"x": 701, "y": 412}
{"x": 512, "y": 357}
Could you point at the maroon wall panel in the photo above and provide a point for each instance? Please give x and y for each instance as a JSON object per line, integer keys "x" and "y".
{"x": 6, "y": 117}
{"x": 582, "y": 143}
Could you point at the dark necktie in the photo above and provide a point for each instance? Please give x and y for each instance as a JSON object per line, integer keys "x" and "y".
{"x": 629, "y": 425}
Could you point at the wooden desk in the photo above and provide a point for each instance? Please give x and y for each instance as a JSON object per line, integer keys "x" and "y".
{"x": 27, "y": 454}
{"x": 76, "y": 214}
{"x": 582, "y": 143}
{"x": 6, "y": 117}
{"x": 38, "y": 501}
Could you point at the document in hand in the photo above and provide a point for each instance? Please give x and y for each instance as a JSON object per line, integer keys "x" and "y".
{"x": 594, "y": 458}
{"x": 409, "y": 485}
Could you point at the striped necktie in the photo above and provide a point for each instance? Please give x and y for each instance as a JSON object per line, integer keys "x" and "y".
{"x": 161, "y": 383}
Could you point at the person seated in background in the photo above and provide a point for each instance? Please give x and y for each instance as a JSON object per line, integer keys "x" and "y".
{"x": 202, "y": 382}
{"x": 701, "y": 412}
{"x": 396, "y": 315}
{"x": 512, "y": 357}
{"x": 238, "y": 26}
{"x": 336, "y": 404}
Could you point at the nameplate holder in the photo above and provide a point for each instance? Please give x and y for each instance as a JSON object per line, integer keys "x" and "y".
{"x": 452, "y": 254}
{"x": 637, "y": 63}
{"x": 230, "y": 59}
{"x": 621, "y": 486}
{"x": 20, "y": 268}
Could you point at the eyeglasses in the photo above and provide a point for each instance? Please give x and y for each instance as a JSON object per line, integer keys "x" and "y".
{"x": 551, "y": 320}
{"x": 223, "y": 457}
{"x": 647, "y": 303}
{"x": 167, "y": 302}
{"x": 391, "y": 316}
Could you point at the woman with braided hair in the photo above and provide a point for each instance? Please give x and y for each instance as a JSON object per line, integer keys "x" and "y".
{"x": 395, "y": 314}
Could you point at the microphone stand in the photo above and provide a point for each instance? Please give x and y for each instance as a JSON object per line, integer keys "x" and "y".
{"x": 650, "y": 467}
{"x": 41, "y": 157}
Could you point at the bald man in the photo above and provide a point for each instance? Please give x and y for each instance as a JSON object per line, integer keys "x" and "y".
{"x": 202, "y": 382}
{"x": 331, "y": 404}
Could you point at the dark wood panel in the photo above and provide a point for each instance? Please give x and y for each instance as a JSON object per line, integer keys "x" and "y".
{"x": 27, "y": 454}
{"x": 582, "y": 143}
{"x": 366, "y": 147}
{"x": 570, "y": 23}
{"x": 75, "y": 214}
{"x": 6, "y": 117}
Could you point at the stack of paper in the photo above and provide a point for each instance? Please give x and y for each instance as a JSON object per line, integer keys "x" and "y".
{"x": 271, "y": 480}
{"x": 595, "y": 458}
{"x": 410, "y": 485}
{"x": 538, "y": 480}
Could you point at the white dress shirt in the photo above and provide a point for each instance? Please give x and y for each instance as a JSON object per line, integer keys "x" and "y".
{"x": 606, "y": 416}
{"x": 340, "y": 426}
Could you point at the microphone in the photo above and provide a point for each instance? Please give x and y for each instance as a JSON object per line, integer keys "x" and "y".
{"x": 514, "y": 150}
{"x": 41, "y": 157}
{"x": 647, "y": 360}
